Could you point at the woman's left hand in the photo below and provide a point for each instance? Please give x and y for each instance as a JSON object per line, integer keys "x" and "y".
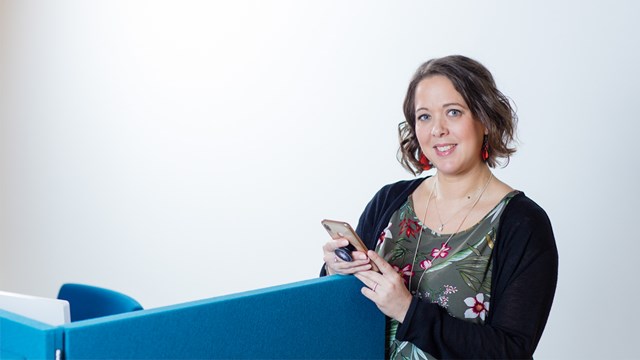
{"x": 386, "y": 289}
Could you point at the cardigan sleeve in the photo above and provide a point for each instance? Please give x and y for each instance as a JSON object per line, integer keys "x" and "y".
{"x": 524, "y": 277}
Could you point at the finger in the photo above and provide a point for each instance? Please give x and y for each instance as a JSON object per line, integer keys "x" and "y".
{"x": 359, "y": 255}
{"x": 371, "y": 286}
{"x": 329, "y": 255}
{"x": 348, "y": 267}
{"x": 355, "y": 269}
{"x": 383, "y": 265}
{"x": 330, "y": 258}
{"x": 370, "y": 278}
{"x": 366, "y": 280}
{"x": 355, "y": 255}
{"x": 331, "y": 245}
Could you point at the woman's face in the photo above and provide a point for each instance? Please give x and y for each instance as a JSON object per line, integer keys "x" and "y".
{"x": 449, "y": 135}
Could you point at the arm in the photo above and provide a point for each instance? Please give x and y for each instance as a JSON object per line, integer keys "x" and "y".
{"x": 524, "y": 278}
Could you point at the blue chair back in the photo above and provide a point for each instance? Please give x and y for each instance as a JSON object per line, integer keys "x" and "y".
{"x": 88, "y": 302}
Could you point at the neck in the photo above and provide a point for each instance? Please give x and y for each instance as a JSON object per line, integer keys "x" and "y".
{"x": 459, "y": 187}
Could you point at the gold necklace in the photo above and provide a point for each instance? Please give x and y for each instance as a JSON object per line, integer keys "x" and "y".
{"x": 424, "y": 218}
{"x": 435, "y": 201}
{"x": 443, "y": 223}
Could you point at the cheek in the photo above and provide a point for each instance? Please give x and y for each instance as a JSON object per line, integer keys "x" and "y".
{"x": 422, "y": 132}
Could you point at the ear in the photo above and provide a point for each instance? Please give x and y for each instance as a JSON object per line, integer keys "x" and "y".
{"x": 483, "y": 126}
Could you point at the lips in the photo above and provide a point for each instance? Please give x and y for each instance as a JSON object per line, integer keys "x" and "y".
{"x": 444, "y": 149}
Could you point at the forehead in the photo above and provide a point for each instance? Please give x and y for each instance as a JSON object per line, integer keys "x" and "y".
{"x": 436, "y": 91}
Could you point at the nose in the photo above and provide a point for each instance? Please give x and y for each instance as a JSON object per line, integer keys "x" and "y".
{"x": 439, "y": 129}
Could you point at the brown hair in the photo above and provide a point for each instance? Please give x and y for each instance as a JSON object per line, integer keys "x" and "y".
{"x": 478, "y": 89}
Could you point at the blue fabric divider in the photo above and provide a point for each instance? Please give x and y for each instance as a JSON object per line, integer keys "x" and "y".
{"x": 325, "y": 318}
{"x": 24, "y": 338}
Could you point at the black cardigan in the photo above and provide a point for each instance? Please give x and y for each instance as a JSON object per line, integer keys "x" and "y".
{"x": 524, "y": 276}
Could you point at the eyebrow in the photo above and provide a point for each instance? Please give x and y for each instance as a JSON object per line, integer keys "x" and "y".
{"x": 453, "y": 103}
{"x": 444, "y": 106}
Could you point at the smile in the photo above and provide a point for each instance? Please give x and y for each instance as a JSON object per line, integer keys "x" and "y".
{"x": 444, "y": 148}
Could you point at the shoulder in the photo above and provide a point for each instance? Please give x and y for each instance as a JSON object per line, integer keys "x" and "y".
{"x": 521, "y": 209}
{"x": 390, "y": 195}
{"x": 378, "y": 211}
{"x": 526, "y": 224}
{"x": 399, "y": 188}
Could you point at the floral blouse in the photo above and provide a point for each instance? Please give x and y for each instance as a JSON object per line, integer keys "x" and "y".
{"x": 455, "y": 274}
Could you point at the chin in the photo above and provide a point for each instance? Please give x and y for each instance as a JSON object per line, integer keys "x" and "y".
{"x": 450, "y": 169}
{"x": 447, "y": 168}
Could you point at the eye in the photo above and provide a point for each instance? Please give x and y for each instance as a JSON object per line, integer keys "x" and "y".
{"x": 424, "y": 117}
{"x": 454, "y": 112}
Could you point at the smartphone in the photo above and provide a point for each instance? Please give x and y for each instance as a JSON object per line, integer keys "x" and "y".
{"x": 339, "y": 229}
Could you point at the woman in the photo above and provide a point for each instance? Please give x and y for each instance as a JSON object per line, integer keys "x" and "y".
{"x": 468, "y": 265}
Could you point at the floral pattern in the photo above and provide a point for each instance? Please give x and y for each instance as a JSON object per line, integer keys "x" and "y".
{"x": 405, "y": 272}
{"x": 409, "y": 227}
{"x": 477, "y": 307}
{"x": 425, "y": 264}
{"x": 453, "y": 273}
{"x": 442, "y": 252}
{"x": 441, "y": 297}
{"x": 386, "y": 233}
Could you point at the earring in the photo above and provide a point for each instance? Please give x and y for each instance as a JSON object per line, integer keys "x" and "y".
{"x": 485, "y": 148}
{"x": 426, "y": 164}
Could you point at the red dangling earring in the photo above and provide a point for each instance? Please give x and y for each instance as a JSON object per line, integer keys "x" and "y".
{"x": 426, "y": 164}
{"x": 485, "y": 148}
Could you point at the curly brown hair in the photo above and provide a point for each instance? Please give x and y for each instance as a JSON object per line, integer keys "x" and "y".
{"x": 478, "y": 89}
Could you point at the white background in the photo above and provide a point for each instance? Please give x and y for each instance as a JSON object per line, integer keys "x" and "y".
{"x": 179, "y": 150}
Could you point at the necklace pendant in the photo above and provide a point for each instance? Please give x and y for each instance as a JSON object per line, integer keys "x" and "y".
{"x": 441, "y": 227}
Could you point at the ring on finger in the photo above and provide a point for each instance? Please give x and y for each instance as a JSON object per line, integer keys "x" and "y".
{"x": 375, "y": 287}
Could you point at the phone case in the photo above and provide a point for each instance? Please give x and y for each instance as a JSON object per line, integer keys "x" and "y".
{"x": 338, "y": 229}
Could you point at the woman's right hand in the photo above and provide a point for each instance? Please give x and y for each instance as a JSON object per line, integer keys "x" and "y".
{"x": 335, "y": 265}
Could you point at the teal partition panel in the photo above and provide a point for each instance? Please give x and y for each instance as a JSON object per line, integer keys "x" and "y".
{"x": 326, "y": 318}
{"x": 23, "y": 338}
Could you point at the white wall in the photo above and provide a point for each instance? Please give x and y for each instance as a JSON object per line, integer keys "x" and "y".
{"x": 177, "y": 150}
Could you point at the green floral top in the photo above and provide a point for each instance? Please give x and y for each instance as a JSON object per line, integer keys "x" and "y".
{"x": 456, "y": 274}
